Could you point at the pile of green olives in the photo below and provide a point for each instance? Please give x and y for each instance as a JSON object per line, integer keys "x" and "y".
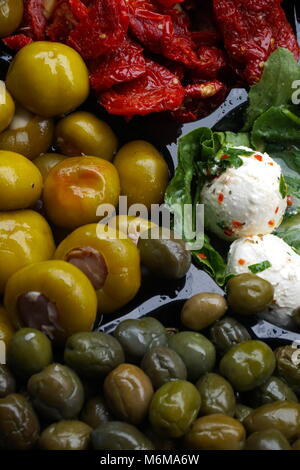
{"x": 146, "y": 387}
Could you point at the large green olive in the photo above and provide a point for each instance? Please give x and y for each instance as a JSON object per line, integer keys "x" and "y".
{"x": 174, "y": 407}
{"x": 11, "y": 12}
{"x": 29, "y": 351}
{"x": 287, "y": 366}
{"x": 93, "y": 354}
{"x": 128, "y": 392}
{"x": 7, "y": 382}
{"x": 273, "y": 389}
{"x": 242, "y": 411}
{"x": 281, "y": 415}
{"x": 248, "y": 294}
{"x": 202, "y": 310}
{"x": 269, "y": 439}
{"x": 56, "y": 393}
{"x": 217, "y": 395}
{"x": 162, "y": 365}
{"x": 95, "y": 412}
{"x": 226, "y": 333}
{"x": 216, "y": 432}
{"x": 248, "y": 364}
{"x": 164, "y": 254}
{"x": 19, "y": 425}
{"x": 116, "y": 435}
{"x": 196, "y": 351}
{"x": 137, "y": 336}
{"x": 66, "y": 435}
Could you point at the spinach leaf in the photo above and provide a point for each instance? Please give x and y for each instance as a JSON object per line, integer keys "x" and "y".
{"x": 209, "y": 258}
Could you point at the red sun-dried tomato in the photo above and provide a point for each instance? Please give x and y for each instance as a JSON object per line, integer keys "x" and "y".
{"x": 168, "y": 3}
{"x": 157, "y": 90}
{"x": 17, "y": 41}
{"x": 34, "y": 19}
{"x": 122, "y": 65}
{"x": 252, "y": 30}
{"x": 211, "y": 61}
{"x": 208, "y": 37}
{"x": 102, "y": 30}
{"x": 79, "y": 9}
{"x": 61, "y": 22}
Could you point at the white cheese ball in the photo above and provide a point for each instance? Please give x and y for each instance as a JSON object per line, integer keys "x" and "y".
{"x": 284, "y": 273}
{"x": 245, "y": 201}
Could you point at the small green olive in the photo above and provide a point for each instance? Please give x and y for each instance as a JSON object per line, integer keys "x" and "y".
{"x": 95, "y": 412}
{"x": 201, "y": 310}
{"x": 66, "y": 435}
{"x": 116, "y": 435}
{"x": 163, "y": 365}
{"x": 273, "y": 389}
{"x": 248, "y": 294}
{"x": 269, "y": 439}
{"x": 217, "y": 395}
{"x": 227, "y": 333}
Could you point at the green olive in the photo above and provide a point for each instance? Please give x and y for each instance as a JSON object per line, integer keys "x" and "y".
{"x": 47, "y": 161}
{"x": 163, "y": 365}
{"x": 128, "y": 392}
{"x": 269, "y": 439}
{"x": 196, "y": 351}
{"x": 19, "y": 425}
{"x": 95, "y": 412}
{"x": 227, "y": 333}
{"x": 287, "y": 366}
{"x": 174, "y": 407}
{"x": 281, "y": 415}
{"x": 93, "y": 354}
{"x": 248, "y": 294}
{"x": 216, "y": 432}
{"x": 138, "y": 336}
{"x": 7, "y": 382}
{"x": 217, "y": 395}
{"x": 56, "y": 393}
{"x": 66, "y": 435}
{"x": 164, "y": 254}
{"x": 242, "y": 411}
{"x": 273, "y": 389}
{"x": 116, "y": 435}
{"x": 7, "y": 105}
{"x": 248, "y": 365}
{"x": 201, "y": 310}
{"x": 82, "y": 133}
{"x": 29, "y": 351}
{"x": 11, "y": 13}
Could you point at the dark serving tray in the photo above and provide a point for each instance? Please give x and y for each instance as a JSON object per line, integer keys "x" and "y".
{"x": 164, "y": 300}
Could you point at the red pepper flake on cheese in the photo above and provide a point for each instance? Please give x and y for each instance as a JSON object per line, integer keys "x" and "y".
{"x": 258, "y": 157}
{"x": 237, "y": 224}
{"x": 271, "y": 223}
{"x": 241, "y": 262}
{"x": 220, "y": 198}
{"x": 201, "y": 256}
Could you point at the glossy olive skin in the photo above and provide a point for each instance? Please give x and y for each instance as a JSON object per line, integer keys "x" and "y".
{"x": 132, "y": 226}
{"x": 11, "y": 13}
{"x": 138, "y": 336}
{"x": 56, "y": 392}
{"x": 203, "y": 309}
{"x": 217, "y": 395}
{"x": 82, "y": 133}
{"x": 143, "y": 173}
{"x": 7, "y": 382}
{"x": 75, "y": 188}
{"x": 128, "y": 392}
{"x": 196, "y": 351}
{"x": 95, "y": 412}
{"x": 242, "y": 411}
{"x": 66, "y": 435}
{"x": 174, "y": 407}
{"x": 29, "y": 137}
{"x": 287, "y": 367}
{"x": 54, "y": 64}
{"x": 248, "y": 294}
{"x": 47, "y": 161}
{"x": 25, "y": 238}
{"x": 281, "y": 415}
{"x": 248, "y": 365}
{"x": 269, "y": 439}
{"x": 274, "y": 389}
{"x": 117, "y": 435}
{"x": 20, "y": 182}
{"x": 65, "y": 287}
{"x": 7, "y": 107}
{"x": 19, "y": 425}
{"x": 163, "y": 365}
{"x": 93, "y": 354}
{"x": 163, "y": 254}
{"x": 227, "y": 333}
{"x": 29, "y": 351}
{"x": 216, "y": 432}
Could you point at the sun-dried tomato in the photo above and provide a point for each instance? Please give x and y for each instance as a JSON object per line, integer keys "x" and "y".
{"x": 102, "y": 30}
{"x": 62, "y": 21}
{"x": 34, "y": 19}
{"x": 17, "y": 41}
{"x": 252, "y": 30}
{"x": 79, "y": 9}
{"x": 208, "y": 37}
{"x": 168, "y": 3}
{"x": 157, "y": 90}
{"x": 123, "y": 65}
{"x": 211, "y": 61}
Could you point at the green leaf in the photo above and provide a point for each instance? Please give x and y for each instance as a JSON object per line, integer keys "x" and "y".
{"x": 275, "y": 86}
{"x": 259, "y": 267}
{"x": 211, "y": 260}
{"x": 283, "y": 187}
